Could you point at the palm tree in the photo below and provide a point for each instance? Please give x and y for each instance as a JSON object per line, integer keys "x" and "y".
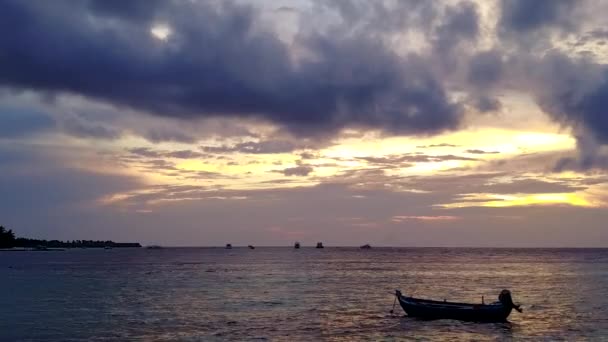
{"x": 7, "y": 238}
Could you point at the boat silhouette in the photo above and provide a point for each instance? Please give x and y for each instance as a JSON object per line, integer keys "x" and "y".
{"x": 431, "y": 309}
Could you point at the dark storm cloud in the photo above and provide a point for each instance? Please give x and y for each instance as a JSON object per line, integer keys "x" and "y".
{"x": 522, "y": 16}
{"x": 217, "y": 62}
{"x": 460, "y": 23}
{"x": 141, "y": 10}
{"x": 373, "y": 17}
{"x": 590, "y": 156}
{"x": 485, "y": 103}
{"x": 485, "y": 69}
{"x": 574, "y": 92}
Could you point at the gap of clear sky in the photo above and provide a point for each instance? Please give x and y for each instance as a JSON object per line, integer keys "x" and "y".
{"x": 396, "y": 123}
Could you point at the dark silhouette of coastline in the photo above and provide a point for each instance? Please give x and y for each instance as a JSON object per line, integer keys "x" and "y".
{"x": 8, "y": 240}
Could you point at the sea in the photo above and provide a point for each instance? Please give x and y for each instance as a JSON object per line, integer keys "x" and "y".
{"x": 284, "y": 294}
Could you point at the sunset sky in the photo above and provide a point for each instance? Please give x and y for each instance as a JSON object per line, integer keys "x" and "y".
{"x": 396, "y": 123}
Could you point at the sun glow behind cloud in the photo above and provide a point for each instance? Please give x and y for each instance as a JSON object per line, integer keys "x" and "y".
{"x": 160, "y": 31}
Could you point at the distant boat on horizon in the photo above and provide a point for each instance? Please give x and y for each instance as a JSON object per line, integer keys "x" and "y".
{"x": 366, "y": 246}
{"x": 251, "y": 247}
{"x": 319, "y": 245}
{"x": 154, "y": 247}
{"x": 228, "y": 246}
{"x": 296, "y": 245}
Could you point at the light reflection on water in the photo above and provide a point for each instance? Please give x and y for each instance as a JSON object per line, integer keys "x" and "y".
{"x": 282, "y": 294}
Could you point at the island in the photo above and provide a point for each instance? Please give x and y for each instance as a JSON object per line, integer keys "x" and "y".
{"x": 9, "y": 241}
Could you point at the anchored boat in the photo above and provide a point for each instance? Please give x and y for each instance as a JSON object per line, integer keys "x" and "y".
{"x": 431, "y": 309}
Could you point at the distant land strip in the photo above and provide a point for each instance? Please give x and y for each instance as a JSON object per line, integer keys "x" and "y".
{"x": 8, "y": 240}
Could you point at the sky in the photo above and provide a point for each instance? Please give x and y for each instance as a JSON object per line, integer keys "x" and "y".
{"x": 394, "y": 123}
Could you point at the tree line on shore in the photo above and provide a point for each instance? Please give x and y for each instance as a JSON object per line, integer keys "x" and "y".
{"x": 8, "y": 240}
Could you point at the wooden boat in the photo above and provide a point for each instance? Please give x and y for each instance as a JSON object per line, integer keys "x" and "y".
{"x": 296, "y": 245}
{"x": 431, "y": 309}
{"x": 250, "y": 247}
{"x": 366, "y": 246}
{"x": 228, "y": 246}
{"x": 319, "y": 245}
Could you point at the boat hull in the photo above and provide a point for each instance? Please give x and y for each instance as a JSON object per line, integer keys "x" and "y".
{"x": 429, "y": 309}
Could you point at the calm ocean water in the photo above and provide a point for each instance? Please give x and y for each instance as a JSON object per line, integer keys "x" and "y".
{"x": 282, "y": 294}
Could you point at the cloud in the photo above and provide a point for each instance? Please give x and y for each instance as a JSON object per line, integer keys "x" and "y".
{"x": 85, "y": 129}
{"x": 590, "y": 156}
{"x": 139, "y": 10}
{"x": 529, "y": 186}
{"x": 522, "y": 16}
{"x": 485, "y": 69}
{"x": 158, "y": 135}
{"x": 406, "y": 160}
{"x": 460, "y": 23}
{"x": 574, "y": 92}
{"x": 473, "y": 151}
{"x": 270, "y": 146}
{"x": 159, "y": 165}
{"x": 597, "y": 36}
{"x": 184, "y": 154}
{"x": 34, "y": 178}
{"x": 16, "y": 123}
{"x": 106, "y": 52}
{"x": 144, "y": 152}
{"x": 261, "y": 147}
{"x": 300, "y": 170}
{"x": 401, "y": 218}
{"x": 179, "y": 154}
{"x": 484, "y": 103}
{"x": 437, "y": 145}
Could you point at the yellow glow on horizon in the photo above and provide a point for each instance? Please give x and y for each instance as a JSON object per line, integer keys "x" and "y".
{"x": 543, "y": 140}
{"x": 251, "y": 171}
{"x": 512, "y": 200}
